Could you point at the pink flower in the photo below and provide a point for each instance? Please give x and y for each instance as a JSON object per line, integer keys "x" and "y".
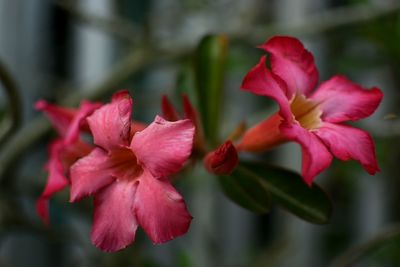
{"x": 128, "y": 176}
{"x": 64, "y": 150}
{"x": 311, "y": 118}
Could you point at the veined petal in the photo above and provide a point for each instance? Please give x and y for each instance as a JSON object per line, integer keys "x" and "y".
{"x": 110, "y": 124}
{"x": 342, "y": 100}
{"x": 293, "y": 63}
{"x": 160, "y": 209}
{"x": 163, "y": 147}
{"x": 261, "y": 81}
{"x": 346, "y": 143}
{"x": 114, "y": 223}
{"x": 89, "y": 174}
{"x": 85, "y": 109}
{"x": 59, "y": 117}
{"x": 315, "y": 156}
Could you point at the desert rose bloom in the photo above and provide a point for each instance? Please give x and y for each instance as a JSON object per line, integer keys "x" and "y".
{"x": 128, "y": 176}
{"x": 312, "y": 118}
{"x": 64, "y": 150}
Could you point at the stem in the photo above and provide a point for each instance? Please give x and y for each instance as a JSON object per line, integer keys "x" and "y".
{"x": 356, "y": 253}
{"x": 12, "y": 120}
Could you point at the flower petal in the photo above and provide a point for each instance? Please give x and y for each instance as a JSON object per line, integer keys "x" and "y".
{"x": 261, "y": 81}
{"x": 293, "y": 63}
{"x": 85, "y": 109}
{"x": 59, "y": 117}
{"x": 56, "y": 180}
{"x": 163, "y": 147}
{"x": 342, "y": 100}
{"x": 89, "y": 174}
{"x": 346, "y": 143}
{"x": 316, "y": 156}
{"x": 114, "y": 223}
{"x": 168, "y": 110}
{"x": 110, "y": 124}
{"x": 160, "y": 209}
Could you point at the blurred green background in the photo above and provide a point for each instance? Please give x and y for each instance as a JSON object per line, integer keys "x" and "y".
{"x": 65, "y": 51}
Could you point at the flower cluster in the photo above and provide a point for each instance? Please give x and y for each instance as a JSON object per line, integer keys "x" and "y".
{"x": 126, "y": 168}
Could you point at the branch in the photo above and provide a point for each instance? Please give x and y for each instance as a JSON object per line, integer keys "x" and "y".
{"x": 355, "y": 253}
{"x": 12, "y": 120}
{"x": 119, "y": 27}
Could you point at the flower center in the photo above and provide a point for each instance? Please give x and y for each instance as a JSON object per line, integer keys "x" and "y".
{"x": 124, "y": 164}
{"x": 306, "y": 112}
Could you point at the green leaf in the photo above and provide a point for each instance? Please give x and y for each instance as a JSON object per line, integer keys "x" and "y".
{"x": 209, "y": 65}
{"x": 252, "y": 182}
{"x": 246, "y": 191}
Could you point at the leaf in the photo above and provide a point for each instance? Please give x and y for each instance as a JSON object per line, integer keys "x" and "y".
{"x": 209, "y": 67}
{"x": 253, "y": 184}
{"x": 288, "y": 190}
{"x": 246, "y": 191}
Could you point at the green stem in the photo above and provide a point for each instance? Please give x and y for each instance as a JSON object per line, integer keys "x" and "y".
{"x": 356, "y": 253}
{"x": 12, "y": 120}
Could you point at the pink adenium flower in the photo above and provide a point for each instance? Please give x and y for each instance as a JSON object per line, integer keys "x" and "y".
{"x": 128, "y": 176}
{"x": 64, "y": 150}
{"x": 189, "y": 112}
{"x": 314, "y": 119}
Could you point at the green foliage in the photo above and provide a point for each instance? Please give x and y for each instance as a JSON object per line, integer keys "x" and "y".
{"x": 252, "y": 184}
{"x": 209, "y": 65}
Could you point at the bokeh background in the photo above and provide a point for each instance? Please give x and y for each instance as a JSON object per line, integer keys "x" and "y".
{"x": 65, "y": 51}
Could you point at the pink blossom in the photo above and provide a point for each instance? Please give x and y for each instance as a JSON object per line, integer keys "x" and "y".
{"x": 128, "y": 176}
{"x": 64, "y": 150}
{"x": 314, "y": 119}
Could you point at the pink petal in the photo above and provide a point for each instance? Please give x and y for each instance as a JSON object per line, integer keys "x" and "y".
{"x": 59, "y": 117}
{"x": 56, "y": 180}
{"x": 346, "y": 143}
{"x": 110, "y": 124}
{"x": 114, "y": 223}
{"x": 85, "y": 109}
{"x": 342, "y": 100}
{"x": 163, "y": 147}
{"x": 261, "y": 81}
{"x": 316, "y": 156}
{"x": 191, "y": 113}
{"x": 293, "y": 63}
{"x": 89, "y": 174}
{"x": 168, "y": 110}
{"x": 160, "y": 209}
{"x": 42, "y": 209}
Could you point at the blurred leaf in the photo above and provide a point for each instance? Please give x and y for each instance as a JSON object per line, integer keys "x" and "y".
{"x": 209, "y": 65}
{"x": 185, "y": 83}
{"x": 256, "y": 179}
{"x": 246, "y": 190}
